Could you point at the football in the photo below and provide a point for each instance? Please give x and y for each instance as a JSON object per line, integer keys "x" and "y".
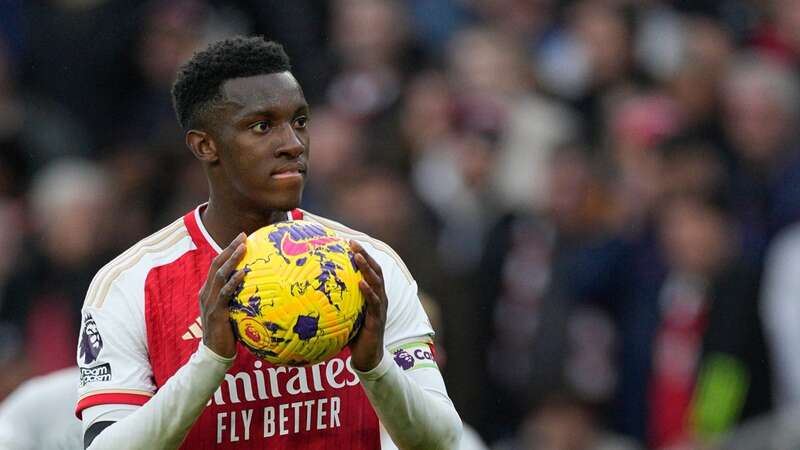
{"x": 300, "y": 302}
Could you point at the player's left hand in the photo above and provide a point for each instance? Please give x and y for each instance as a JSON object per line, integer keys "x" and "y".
{"x": 367, "y": 347}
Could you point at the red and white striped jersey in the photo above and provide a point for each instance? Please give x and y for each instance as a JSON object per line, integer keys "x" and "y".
{"x": 141, "y": 323}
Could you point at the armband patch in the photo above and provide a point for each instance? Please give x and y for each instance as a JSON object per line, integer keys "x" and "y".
{"x": 414, "y": 355}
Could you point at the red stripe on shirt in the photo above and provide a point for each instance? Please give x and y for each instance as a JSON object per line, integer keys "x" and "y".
{"x": 110, "y": 399}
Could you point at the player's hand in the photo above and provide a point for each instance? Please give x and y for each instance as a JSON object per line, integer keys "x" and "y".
{"x": 216, "y": 295}
{"x": 367, "y": 347}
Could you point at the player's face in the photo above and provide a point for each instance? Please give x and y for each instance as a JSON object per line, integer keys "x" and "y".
{"x": 264, "y": 140}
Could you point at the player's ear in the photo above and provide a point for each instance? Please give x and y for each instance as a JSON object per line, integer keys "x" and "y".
{"x": 202, "y": 145}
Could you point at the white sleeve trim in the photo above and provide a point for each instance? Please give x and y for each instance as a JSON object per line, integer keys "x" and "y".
{"x": 106, "y": 413}
{"x": 165, "y": 419}
{"x": 412, "y": 406}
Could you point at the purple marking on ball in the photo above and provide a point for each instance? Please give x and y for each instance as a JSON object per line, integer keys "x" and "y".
{"x": 352, "y": 257}
{"x": 336, "y": 248}
{"x": 275, "y": 238}
{"x": 328, "y": 272}
{"x": 252, "y": 308}
{"x": 403, "y": 359}
{"x": 306, "y": 327}
{"x": 301, "y": 261}
{"x": 305, "y": 231}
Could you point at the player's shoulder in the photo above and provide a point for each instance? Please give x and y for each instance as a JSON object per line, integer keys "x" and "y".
{"x": 381, "y": 251}
{"x": 129, "y": 270}
{"x": 59, "y": 382}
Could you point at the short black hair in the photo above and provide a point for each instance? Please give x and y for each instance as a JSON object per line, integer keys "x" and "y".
{"x": 198, "y": 81}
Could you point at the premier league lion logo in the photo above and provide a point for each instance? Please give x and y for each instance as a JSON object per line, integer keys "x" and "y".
{"x": 403, "y": 359}
{"x": 91, "y": 343}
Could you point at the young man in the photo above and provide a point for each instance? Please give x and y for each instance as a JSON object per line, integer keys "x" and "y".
{"x": 159, "y": 364}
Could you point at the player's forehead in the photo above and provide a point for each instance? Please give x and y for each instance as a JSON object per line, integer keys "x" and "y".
{"x": 275, "y": 92}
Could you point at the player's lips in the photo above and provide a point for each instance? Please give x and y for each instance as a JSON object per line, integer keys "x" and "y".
{"x": 292, "y": 170}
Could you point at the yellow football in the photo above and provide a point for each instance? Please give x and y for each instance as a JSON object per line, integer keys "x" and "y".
{"x": 300, "y": 302}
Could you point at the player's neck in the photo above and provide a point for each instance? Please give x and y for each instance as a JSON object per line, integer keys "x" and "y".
{"x": 224, "y": 221}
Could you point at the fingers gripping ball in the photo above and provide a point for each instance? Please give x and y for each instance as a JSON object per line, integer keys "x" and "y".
{"x": 300, "y": 302}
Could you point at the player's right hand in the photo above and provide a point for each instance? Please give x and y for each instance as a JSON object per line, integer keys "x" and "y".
{"x": 216, "y": 295}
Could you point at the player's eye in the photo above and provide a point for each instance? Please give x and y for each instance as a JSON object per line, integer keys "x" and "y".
{"x": 260, "y": 127}
{"x": 301, "y": 122}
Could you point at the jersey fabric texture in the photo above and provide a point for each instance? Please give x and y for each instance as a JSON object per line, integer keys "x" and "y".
{"x": 141, "y": 324}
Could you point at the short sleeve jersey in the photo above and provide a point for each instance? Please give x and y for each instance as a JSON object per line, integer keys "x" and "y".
{"x": 141, "y": 323}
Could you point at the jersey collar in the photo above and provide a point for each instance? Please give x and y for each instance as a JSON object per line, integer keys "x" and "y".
{"x": 200, "y": 235}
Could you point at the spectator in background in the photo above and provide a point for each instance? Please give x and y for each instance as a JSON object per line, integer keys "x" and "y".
{"x": 486, "y": 67}
{"x": 545, "y": 328}
{"x": 778, "y": 36}
{"x": 563, "y": 421}
{"x": 705, "y": 55}
{"x": 453, "y": 178}
{"x": 470, "y": 439}
{"x": 761, "y": 101}
{"x": 689, "y": 165}
{"x": 694, "y": 356}
{"x": 338, "y": 148}
{"x": 426, "y": 117}
{"x": 303, "y": 29}
{"x": 78, "y": 53}
{"x": 676, "y": 167}
{"x": 372, "y": 44}
{"x": 370, "y": 38}
{"x": 26, "y": 144}
{"x": 43, "y": 297}
{"x": 525, "y": 21}
{"x": 588, "y": 59}
{"x": 637, "y": 125}
{"x": 171, "y": 32}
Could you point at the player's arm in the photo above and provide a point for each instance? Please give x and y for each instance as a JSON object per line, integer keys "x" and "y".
{"x": 404, "y": 401}
{"x": 164, "y": 420}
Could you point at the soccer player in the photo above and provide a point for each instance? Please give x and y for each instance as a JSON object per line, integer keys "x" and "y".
{"x": 159, "y": 365}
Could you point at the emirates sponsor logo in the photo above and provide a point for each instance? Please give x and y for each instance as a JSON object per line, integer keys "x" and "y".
{"x": 263, "y": 383}
{"x": 284, "y": 418}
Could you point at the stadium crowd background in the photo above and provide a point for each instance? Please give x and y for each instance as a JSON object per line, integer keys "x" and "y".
{"x": 597, "y": 197}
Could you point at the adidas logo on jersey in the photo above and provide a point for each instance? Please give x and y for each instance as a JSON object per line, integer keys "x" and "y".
{"x": 195, "y": 331}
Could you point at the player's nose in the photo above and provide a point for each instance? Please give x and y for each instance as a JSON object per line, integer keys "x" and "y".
{"x": 290, "y": 144}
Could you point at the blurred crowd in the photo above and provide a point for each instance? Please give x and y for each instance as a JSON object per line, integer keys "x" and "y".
{"x": 598, "y": 196}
